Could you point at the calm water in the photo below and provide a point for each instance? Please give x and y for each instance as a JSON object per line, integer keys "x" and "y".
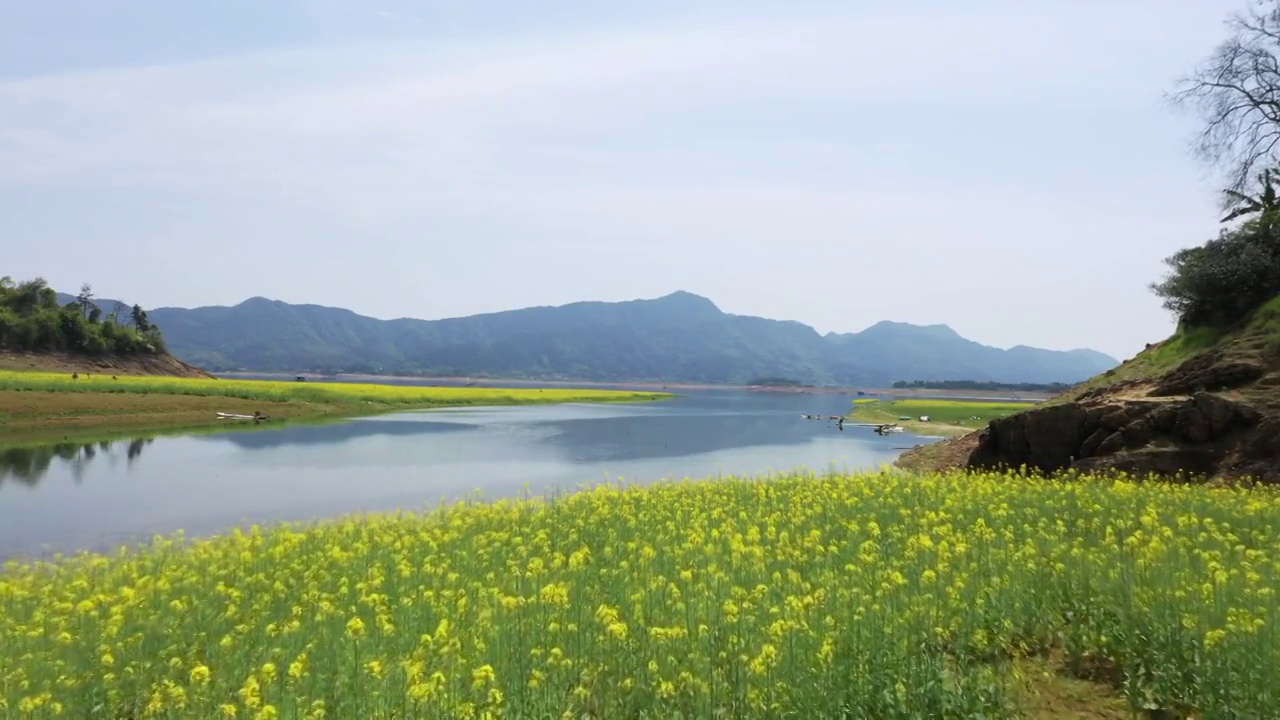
{"x": 71, "y": 497}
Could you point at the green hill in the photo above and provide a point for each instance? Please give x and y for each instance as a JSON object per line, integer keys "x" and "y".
{"x": 678, "y": 337}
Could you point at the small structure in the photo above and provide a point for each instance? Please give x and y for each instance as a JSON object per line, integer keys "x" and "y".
{"x": 301, "y": 378}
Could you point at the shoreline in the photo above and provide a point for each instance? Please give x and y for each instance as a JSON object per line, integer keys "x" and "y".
{"x": 950, "y": 417}
{"x": 37, "y": 407}
{"x": 655, "y": 385}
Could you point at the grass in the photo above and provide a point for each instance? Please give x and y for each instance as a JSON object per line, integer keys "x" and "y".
{"x": 946, "y": 417}
{"x": 1152, "y": 362}
{"x": 35, "y": 404}
{"x": 1044, "y": 689}
{"x": 1260, "y": 338}
{"x": 865, "y": 595}
{"x": 1266, "y": 321}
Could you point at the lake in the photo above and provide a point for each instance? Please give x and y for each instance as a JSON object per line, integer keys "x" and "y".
{"x": 68, "y": 497}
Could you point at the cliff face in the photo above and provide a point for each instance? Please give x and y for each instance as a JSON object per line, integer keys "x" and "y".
{"x": 1209, "y": 412}
{"x": 1206, "y": 434}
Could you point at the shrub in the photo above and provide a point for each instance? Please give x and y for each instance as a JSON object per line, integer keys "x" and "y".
{"x": 1223, "y": 281}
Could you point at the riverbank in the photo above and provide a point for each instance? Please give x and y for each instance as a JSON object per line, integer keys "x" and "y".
{"x": 37, "y": 405}
{"x": 158, "y": 364}
{"x": 654, "y": 385}
{"x": 947, "y": 418}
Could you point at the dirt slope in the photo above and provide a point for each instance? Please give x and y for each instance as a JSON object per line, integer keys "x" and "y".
{"x": 1195, "y": 405}
{"x": 106, "y": 365}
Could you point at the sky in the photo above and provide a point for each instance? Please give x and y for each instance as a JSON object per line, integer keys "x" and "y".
{"x": 1011, "y": 169}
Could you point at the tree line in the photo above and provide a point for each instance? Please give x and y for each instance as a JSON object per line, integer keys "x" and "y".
{"x": 979, "y": 385}
{"x": 32, "y": 320}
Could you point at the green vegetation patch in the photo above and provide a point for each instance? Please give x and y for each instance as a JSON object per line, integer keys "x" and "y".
{"x": 743, "y": 597}
{"x": 1259, "y": 336}
{"x": 31, "y": 320}
{"x": 1266, "y": 324}
{"x": 1154, "y": 361}
{"x": 313, "y": 392}
{"x": 37, "y": 405}
{"x": 964, "y": 414}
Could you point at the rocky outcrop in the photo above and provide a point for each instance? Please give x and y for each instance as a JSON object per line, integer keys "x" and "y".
{"x": 1204, "y": 434}
{"x": 1210, "y": 372}
{"x": 1215, "y": 414}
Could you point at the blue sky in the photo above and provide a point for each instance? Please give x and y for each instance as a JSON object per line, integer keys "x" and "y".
{"x": 1009, "y": 169}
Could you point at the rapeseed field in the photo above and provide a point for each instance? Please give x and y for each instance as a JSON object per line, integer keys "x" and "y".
{"x": 804, "y": 596}
{"x": 316, "y": 392}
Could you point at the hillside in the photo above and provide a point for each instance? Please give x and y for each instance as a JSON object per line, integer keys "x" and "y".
{"x": 1201, "y": 403}
{"x": 678, "y": 337}
{"x": 108, "y": 364}
{"x": 41, "y": 329}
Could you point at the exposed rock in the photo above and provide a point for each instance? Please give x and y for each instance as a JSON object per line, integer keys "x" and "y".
{"x": 1112, "y": 444}
{"x": 1045, "y": 438}
{"x": 1186, "y": 462}
{"x": 1094, "y": 442}
{"x": 1197, "y": 435}
{"x": 1265, "y": 443}
{"x": 1209, "y": 372}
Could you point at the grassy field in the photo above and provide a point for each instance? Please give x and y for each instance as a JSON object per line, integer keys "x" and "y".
{"x": 873, "y": 595}
{"x": 34, "y": 404}
{"x": 946, "y": 417}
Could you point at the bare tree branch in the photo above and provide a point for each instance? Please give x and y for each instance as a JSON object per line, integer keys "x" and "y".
{"x": 1236, "y": 92}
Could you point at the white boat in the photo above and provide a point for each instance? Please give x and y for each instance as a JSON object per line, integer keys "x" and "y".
{"x": 237, "y": 416}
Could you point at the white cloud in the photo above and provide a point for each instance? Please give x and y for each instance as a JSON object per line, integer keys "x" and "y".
{"x": 856, "y": 136}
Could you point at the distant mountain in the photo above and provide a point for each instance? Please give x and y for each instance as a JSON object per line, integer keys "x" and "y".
{"x": 678, "y": 337}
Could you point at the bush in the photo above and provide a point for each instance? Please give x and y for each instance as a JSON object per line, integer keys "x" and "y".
{"x": 1223, "y": 281}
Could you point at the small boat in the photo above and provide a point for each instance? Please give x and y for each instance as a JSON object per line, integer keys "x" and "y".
{"x": 237, "y": 416}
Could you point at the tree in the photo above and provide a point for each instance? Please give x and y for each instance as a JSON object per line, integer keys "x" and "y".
{"x": 119, "y": 311}
{"x": 32, "y": 294}
{"x": 85, "y": 299}
{"x": 1265, "y": 203}
{"x": 140, "y": 321}
{"x": 1236, "y": 92}
{"x": 1221, "y": 282}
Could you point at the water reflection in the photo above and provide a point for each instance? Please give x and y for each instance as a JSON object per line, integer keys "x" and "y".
{"x": 269, "y": 438}
{"x": 708, "y": 422}
{"x": 29, "y": 464}
{"x": 96, "y": 495}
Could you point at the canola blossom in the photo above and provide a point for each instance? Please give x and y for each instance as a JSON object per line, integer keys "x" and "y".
{"x": 808, "y": 596}
{"x": 319, "y": 392}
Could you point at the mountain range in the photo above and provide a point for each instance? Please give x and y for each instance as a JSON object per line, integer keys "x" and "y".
{"x": 677, "y": 337}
